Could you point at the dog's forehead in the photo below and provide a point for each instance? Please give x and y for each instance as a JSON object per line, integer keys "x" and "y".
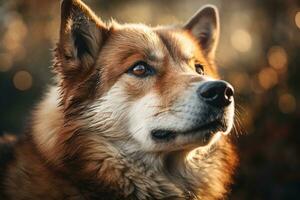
{"x": 156, "y": 43}
{"x": 138, "y": 38}
{"x": 178, "y": 43}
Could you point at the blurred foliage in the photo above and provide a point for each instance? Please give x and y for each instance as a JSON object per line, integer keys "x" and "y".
{"x": 259, "y": 53}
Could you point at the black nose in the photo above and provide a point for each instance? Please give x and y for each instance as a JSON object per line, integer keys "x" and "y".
{"x": 216, "y": 93}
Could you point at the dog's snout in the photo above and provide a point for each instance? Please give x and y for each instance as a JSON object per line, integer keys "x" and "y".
{"x": 216, "y": 93}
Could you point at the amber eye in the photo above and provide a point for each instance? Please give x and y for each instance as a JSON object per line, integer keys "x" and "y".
{"x": 199, "y": 69}
{"x": 141, "y": 69}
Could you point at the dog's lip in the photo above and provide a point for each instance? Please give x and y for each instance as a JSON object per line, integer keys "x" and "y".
{"x": 209, "y": 128}
{"x": 163, "y": 135}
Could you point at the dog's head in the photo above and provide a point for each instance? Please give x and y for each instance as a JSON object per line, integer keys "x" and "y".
{"x": 144, "y": 88}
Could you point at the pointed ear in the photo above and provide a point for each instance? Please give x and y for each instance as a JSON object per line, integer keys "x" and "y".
{"x": 82, "y": 34}
{"x": 204, "y": 25}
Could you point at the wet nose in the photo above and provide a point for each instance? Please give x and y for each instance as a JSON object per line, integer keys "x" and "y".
{"x": 216, "y": 93}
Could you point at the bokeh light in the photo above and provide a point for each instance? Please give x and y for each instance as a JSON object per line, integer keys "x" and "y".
{"x": 13, "y": 38}
{"x": 241, "y": 40}
{"x": 287, "y": 103}
{"x": 297, "y": 19}
{"x": 267, "y": 78}
{"x": 277, "y": 57}
{"x": 22, "y": 80}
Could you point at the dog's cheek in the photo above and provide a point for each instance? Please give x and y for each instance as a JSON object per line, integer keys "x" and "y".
{"x": 141, "y": 116}
{"x": 109, "y": 112}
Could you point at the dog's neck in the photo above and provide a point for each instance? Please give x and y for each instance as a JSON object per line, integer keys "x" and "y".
{"x": 174, "y": 174}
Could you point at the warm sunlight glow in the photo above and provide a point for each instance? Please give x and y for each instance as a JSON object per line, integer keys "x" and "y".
{"x": 203, "y": 150}
{"x": 277, "y": 57}
{"x": 241, "y": 40}
{"x": 22, "y": 80}
{"x": 287, "y": 103}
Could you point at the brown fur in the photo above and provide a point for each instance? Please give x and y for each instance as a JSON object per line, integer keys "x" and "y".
{"x": 69, "y": 153}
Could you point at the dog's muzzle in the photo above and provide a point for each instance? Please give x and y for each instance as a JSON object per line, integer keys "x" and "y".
{"x": 216, "y": 94}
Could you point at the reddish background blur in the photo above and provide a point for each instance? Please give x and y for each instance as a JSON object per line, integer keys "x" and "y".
{"x": 259, "y": 53}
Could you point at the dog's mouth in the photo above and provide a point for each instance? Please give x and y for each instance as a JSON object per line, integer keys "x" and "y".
{"x": 207, "y": 129}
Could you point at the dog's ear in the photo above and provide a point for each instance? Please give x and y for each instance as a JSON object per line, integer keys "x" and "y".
{"x": 82, "y": 34}
{"x": 204, "y": 25}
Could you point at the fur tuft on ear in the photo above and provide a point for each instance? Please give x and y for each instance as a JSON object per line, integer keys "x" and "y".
{"x": 82, "y": 34}
{"x": 204, "y": 25}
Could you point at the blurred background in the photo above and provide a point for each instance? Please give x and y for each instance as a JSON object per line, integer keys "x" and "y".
{"x": 259, "y": 53}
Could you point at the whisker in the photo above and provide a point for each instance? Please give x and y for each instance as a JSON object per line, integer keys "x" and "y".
{"x": 238, "y": 120}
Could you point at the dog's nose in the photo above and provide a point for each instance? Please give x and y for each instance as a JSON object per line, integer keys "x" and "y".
{"x": 216, "y": 93}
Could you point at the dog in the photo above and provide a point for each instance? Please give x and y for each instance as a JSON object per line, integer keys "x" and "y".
{"x": 136, "y": 112}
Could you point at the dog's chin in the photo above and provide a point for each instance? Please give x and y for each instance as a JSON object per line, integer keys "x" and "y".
{"x": 202, "y": 133}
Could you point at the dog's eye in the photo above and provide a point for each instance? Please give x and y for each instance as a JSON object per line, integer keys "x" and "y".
{"x": 141, "y": 69}
{"x": 199, "y": 69}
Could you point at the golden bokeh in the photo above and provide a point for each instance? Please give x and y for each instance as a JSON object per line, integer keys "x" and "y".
{"x": 13, "y": 38}
{"x": 267, "y": 78}
{"x": 297, "y": 19}
{"x": 241, "y": 40}
{"x": 277, "y": 57}
{"x": 287, "y": 103}
{"x": 22, "y": 80}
